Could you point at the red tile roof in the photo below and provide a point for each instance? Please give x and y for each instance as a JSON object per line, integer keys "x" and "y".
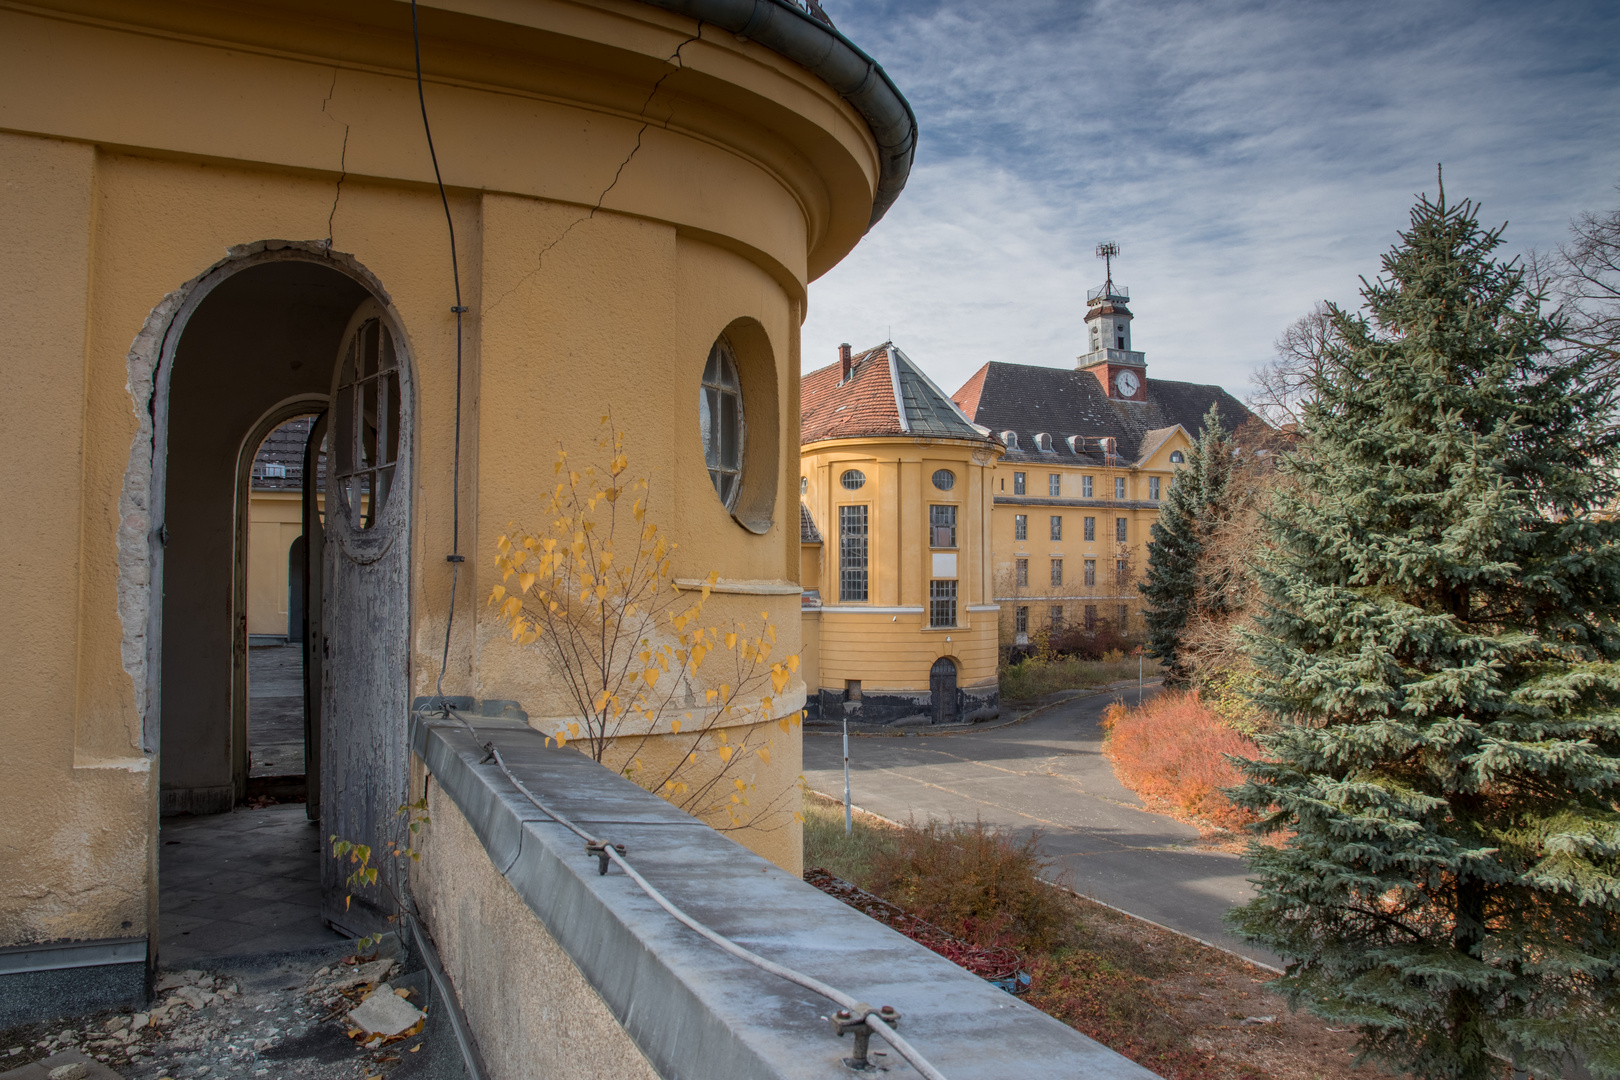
{"x": 864, "y": 405}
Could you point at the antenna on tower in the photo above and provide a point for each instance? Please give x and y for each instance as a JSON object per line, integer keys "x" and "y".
{"x": 1107, "y": 251}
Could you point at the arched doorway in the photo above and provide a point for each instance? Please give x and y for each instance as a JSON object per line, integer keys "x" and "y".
{"x": 257, "y": 340}
{"x": 942, "y": 690}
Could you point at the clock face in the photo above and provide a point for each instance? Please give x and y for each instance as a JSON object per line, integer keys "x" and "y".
{"x": 1128, "y": 383}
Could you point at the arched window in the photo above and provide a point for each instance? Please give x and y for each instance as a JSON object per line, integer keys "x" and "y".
{"x": 853, "y": 479}
{"x": 367, "y": 419}
{"x": 1176, "y": 457}
{"x": 804, "y": 484}
{"x": 1043, "y": 442}
{"x": 944, "y": 479}
{"x": 721, "y": 414}
{"x": 1011, "y": 439}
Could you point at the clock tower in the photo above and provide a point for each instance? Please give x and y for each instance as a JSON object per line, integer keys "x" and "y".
{"x": 1122, "y": 372}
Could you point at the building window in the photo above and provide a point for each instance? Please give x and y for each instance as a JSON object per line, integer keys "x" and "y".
{"x": 1020, "y": 526}
{"x": 852, "y": 553}
{"x": 1021, "y": 620}
{"x": 1119, "y": 529}
{"x": 1054, "y": 485}
{"x": 1122, "y": 570}
{"x": 1085, "y": 487}
{"x": 1177, "y": 457}
{"x": 1119, "y": 487}
{"x": 721, "y": 413}
{"x": 804, "y": 484}
{"x": 1018, "y": 483}
{"x": 1057, "y": 571}
{"x": 942, "y": 526}
{"x": 1091, "y": 616}
{"x": 1055, "y": 617}
{"x": 1091, "y": 571}
{"x": 853, "y": 479}
{"x": 1022, "y": 570}
{"x": 1153, "y": 488}
{"x": 1043, "y": 442}
{"x": 1091, "y": 530}
{"x": 944, "y": 479}
{"x": 1124, "y": 618}
{"x": 367, "y": 422}
{"x": 942, "y": 603}
{"x": 1057, "y": 526}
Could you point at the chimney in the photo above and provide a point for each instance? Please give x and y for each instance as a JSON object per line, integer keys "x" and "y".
{"x": 843, "y": 362}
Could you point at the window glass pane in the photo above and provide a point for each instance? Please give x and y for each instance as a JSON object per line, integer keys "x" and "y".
{"x": 393, "y": 418}
{"x": 944, "y": 479}
{"x": 1085, "y": 487}
{"x": 1023, "y": 571}
{"x": 1057, "y": 527}
{"x": 1054, "y": 484}
{"x": 368, "y": 349}
{"x": 1119, "y": 529}
{"x": 729, "y": 435}
{"x": 388, "y": 360}
{"x": 852, "y": 479}
{"x": 942, "y": 603}
{"x": 344, "y": 437}
{"x": 1018, "y": 483}
{"x": 1091, "y": 571}
{"x": 1057, "y": 571}
{"x": 708, "y": 411}
{"x": 385, "y": 484}
{"x": 1021, "y": 526}
{"x": 1091, "y": 528}
{"x": 711, "y": 370}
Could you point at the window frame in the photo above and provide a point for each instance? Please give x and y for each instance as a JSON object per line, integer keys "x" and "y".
{"x": 1153, "y": 488}
{"x": 854, "y": 547}
{"x": 1054, "y": 617}
{"x": 1119, "y": 487}
{"x": 1021, "y": 573}
{"x": 1021, "y": 619}
{"x": 1090, "y": 566}
{"x": 937, "y": 512}
{"x": 950, "y": 479}
{"x": 1057, "y": 573}
{"x": 1056, "y": 526}
{"x": 713, "y": 393}
{"x": 942, "y": 603}
{"x": 1020, "y": 526}
{"x": 1019, "y": 483}
{"x": 1091, "y": 530}
{"x": 1054, "y": 485}
{"x": 844, "y": 479}
{"x": 1086, "y": 487}
{"x": 1121, "y": 530}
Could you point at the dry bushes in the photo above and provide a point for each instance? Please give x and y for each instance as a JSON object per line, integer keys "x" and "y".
{"x": 976, "y": 881}
{"x": 1173, "y": 748}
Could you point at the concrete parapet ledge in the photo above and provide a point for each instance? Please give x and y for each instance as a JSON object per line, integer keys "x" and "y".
{"x": 691, "y": 1009}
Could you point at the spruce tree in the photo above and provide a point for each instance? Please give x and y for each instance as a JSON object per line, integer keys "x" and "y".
{"x": 1186, "y": 520}
{"x": 1439, "y": 639}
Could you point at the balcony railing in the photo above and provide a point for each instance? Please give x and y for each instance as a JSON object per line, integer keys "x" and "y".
{"x": 1115, "y": 293}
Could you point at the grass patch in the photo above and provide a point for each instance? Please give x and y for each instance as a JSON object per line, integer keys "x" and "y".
{"x": 1036, "y": 677}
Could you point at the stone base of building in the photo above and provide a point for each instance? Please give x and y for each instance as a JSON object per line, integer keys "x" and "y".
{"x": 972, "y": 706}
{"x": 42, "y": 983}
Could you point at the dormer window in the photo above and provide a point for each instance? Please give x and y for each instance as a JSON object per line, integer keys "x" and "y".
{"x": 1011, "y": 439}
{"x": 1043, "y": 442}
{"x": 1177, "y": 458}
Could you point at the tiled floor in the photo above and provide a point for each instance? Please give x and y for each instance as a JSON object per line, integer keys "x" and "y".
{"x": 247, "y": 882}
{"x": 276, "y": 710}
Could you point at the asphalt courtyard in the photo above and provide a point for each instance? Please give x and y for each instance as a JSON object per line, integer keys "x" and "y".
{"x": 1048, "y": 773}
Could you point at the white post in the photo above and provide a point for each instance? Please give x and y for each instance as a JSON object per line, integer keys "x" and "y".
{"x": 849, "y": 819}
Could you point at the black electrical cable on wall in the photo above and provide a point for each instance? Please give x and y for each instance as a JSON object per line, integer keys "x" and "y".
{"x": 455, "y": 558}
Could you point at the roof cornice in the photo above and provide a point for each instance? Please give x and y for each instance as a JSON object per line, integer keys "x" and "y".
{"x": 830, "y": 56}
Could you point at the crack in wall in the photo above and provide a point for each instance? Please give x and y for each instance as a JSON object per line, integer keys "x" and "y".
{"x": 679, "y": 63}
{"x": 343, "y": 157}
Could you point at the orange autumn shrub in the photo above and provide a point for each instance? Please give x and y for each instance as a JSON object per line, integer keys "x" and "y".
{"x": 1173, "y": 748}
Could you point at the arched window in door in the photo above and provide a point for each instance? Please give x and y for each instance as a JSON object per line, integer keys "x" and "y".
{"x": 366, "y": 419}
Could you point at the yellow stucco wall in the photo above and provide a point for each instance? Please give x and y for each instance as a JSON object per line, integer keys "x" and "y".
{"x": 275, "y": 520}
{"x": 595, "y": 277}
{"x": 1108, "y": 592}
{"x": 886, "y": 641}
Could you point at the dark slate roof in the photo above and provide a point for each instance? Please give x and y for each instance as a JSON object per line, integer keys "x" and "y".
{"x": 1028, "y": 399}
{"x": 279, "y": 464}
{"x": 808, "y": 533}
{"x": 886, "y": 394}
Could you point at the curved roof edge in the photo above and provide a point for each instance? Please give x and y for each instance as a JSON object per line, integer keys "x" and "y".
{"x": 830, "y": 56}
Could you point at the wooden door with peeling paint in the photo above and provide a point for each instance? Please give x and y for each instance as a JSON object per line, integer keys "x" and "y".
{"x": 312, "y": 632}
{"x": 365, "y": 679}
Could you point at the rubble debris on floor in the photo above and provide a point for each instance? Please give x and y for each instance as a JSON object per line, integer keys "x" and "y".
{"x": 342, "y": 1021}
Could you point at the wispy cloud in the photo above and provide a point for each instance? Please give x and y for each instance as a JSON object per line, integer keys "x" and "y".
{"x": 1251, "y": 158}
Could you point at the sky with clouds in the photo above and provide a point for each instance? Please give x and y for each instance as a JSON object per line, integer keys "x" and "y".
{"x": 1249, "y": 158}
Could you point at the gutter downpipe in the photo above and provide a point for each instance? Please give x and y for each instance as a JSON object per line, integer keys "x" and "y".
{"x": 830, "y": 56}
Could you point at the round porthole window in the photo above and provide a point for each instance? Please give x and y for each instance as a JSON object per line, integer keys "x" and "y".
{"x": 944, "y": 479}
{"x": 853, "y": 479}
{"x": 720, "y": 413}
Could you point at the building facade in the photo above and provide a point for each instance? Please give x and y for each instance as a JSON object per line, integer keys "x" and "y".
{"x": 1090, "y": 454}
{"x": 216, "y": 218}
{"x": 899, "y": 616}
